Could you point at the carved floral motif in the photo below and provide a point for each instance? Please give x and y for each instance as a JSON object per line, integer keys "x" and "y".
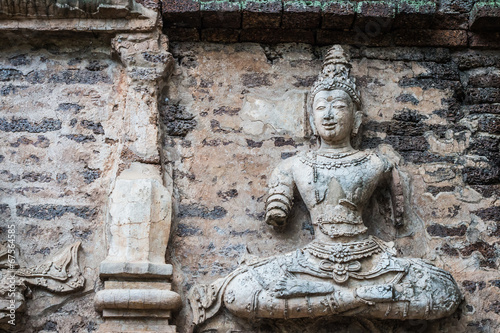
{"x": 60, "y": 274}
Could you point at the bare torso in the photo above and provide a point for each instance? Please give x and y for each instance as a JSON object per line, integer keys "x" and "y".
{"x": 335, "y": 191}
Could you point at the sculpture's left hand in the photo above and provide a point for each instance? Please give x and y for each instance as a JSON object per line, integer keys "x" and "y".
{"x": 275, "y": 217}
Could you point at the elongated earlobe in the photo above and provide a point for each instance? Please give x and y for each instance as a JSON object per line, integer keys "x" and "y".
{"x": 358, "y": 118}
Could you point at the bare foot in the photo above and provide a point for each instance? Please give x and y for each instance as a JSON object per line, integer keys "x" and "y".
{"x": 289, "y": 286}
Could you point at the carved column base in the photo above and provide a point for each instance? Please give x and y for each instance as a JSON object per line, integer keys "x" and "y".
{"x": 134, "y": 270}
{"x": 139, "y": 325}
{"x": 133, "y": 306}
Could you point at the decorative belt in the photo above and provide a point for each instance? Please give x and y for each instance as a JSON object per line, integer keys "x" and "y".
{"x": 341, "y": 259}
{"x": 343, "y": 252}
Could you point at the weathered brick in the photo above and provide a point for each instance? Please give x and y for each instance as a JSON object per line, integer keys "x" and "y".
{"x": 471, "y": 286}
{"x": 452, "y": 14}
{"x": 301, "y": 14}
{"x": 10, "y": 74}
{"x": 95, "y": 127}
{"x": 489, "y": 214}
{"x": 447, "y": 71}
{"x": 489, "y": 124}
{"x": 183, "y": 34}
{"x": 151, "y": 4}
{"x": 20, "y": 60}
{"x": 328, "y": 37}
{"x": 181, "y": 13}
{"x": 81, "y": 138}
{"x": 487, "y": 250}
{"x": 221, "y": 14}
{"x": 482, "y": 95}
{"x": 485, "y": 16}
{"x": 407, "y": 98}
{"x": 488, "y": 78}
{"x": 474, "y": 59}
{"x": 96, "y": 65}
{"x": 226, "y": 110}
{"x": 489, "y": 40}
{"x": 184, "y": 230}
{"x": 494, "y": 307}
{"x": 24, "y": 125}
{"x": 337, "y": 15}
{"x": 177, "y": 120}
{"x": 485, "y": 145}
{"x": 90, "y": 175}
{"x": 456, "y": 6}
{"x": 483, "y": 108}
{"x": 200, "y": 211}
{"x": 481, "y": 176}
{"x": 426, "y": 37}
{"x": 438, "y": 55}
{"x": 79, "y": 76}
{"x": 414, "y": 14}
{"x": 446, "y": 231}
{"x": 4, "y": 211}
{"x": 70, "y": 107}
{"x": 408, "y": 143}
{"x": 50, "y": 212}
{"x": 420, "y": 157}
{"x": 374, "y": 17}
{"x": 454, "y": 21}
{"x": 435, "y": 190}
{"x": 36, "y": 77}
{"x": 11, "y": 89}
{"x": 277, "y": 36}
{"x": 254, "y": 144}
{"x": 262, "y": 14}
{"x": 252, "y": 80}
{"x": 488, "y": 191}
{"x": 216, "y": 35}
{"x": 42, "y": 177}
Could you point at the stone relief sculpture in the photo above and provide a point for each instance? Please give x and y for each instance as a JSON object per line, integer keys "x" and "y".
{"x": 343, "y": 271}
{"x": 60, "y": 274}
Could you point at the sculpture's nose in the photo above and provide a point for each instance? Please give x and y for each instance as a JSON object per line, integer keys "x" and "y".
{"x": 329, "y": 114}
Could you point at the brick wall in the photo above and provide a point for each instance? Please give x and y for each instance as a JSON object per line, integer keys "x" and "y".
{"x": 230, "y": 113}
{"x": 57, "y": 144}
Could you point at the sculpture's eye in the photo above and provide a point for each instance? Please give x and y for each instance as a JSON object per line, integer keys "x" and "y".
{"x": 339, "y": 105}
{"x": 320, "y": 107}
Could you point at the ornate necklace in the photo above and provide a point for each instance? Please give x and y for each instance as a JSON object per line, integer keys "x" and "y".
{"x": 337, "y": 156}
{"x": 314, "y": 163}
{"x": 336, "y": 163}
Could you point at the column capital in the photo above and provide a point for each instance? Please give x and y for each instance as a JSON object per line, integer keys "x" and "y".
{"x": 145, "y": 55}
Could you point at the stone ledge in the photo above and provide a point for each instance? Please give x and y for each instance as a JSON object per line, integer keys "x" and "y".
{"x": 127, "y": 314}
{"x": 301, "y": 14}
{"x": 485, "y": 17}
{"x": 372, "y": 18}
{"x": 82, "y": 16}
{"x": 137, "y": 325}
{"x": 135, "y": 270}
{"x": 401, "y": 37}
{"x": 137, "y": 299}
{"x": 52, "y": 9}
{"x": 77, "y": 25}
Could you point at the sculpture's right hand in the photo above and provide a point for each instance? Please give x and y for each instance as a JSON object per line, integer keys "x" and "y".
{"x": 275, "y": 217}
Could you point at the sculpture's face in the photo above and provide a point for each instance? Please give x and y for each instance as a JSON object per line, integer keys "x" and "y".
{"x": 333, "y": 115}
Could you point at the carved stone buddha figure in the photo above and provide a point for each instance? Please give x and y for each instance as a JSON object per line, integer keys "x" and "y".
{"x": 343, "y": 271}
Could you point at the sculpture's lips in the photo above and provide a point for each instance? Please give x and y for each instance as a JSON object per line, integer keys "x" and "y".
{"x": 329, "y": 126}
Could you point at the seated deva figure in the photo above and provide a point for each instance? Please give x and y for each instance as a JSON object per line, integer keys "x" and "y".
{"x": 343, "y": 271}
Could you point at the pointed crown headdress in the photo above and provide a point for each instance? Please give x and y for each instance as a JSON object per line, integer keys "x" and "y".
{"x": 335, "y": 75}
